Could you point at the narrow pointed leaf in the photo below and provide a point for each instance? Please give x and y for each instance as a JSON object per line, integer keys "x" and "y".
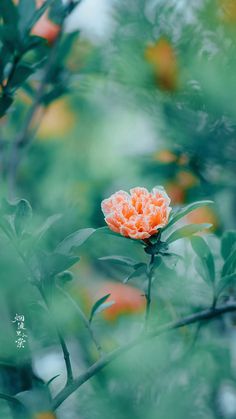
{"x": 228, "y": 242}
{"x": 140, "y": 270}
{"x": 121, "y": 260}
{"x": 50, "y": 221}
{"x": 22, "y": 215}
{"x": 186, "y": 231}
{"x": 203, "y": 251}
{"x": 74, "y": 240}
{"x": 230, "y": 264}
{"x": 186, "y": 210}
{"x": 225, "y": 282}
{"x": 99, "y": 306}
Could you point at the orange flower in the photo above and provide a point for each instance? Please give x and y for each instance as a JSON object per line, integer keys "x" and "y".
{"x": 137, "y": 215}
{"x": 127, "y": 300}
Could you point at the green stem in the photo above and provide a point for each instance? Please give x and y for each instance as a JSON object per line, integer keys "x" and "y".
{"x": 84, "y": 318}
{"x": 25, "y": 136}
{"x": 64, "y": 348}
{"x": 148, "y": 294}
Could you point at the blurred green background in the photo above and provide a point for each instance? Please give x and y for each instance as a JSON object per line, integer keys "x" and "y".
{"x": 150, "y": 102}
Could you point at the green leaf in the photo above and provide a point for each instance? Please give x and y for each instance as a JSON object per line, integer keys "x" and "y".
{"x": 187, "y": 231}
{"x": 26, "y": 10}
{"x": 99, "y": 306}
{"x": 23, "y": 213}
{"x": 10, "y": 37}
{"x": 74, "y": 240}
{"x": 8, "y": 12}
{"x": 201, "y": 269}
{"x": 186, "y": 210}
{"x": 52, "y": 264}
{"x": 230, "y": 264}
{"x": 202, "y": 250}
{"x": 50, "y": 221}
{"x": 107, "y": 230}
{"x": 228, "y": 242}
{"x": 57, "y": 11}
{"x": 52, "y": 379}
{"x": 21, "y": 74}
{"x": 65, "y": 277}
{"x": 38, "y": 13}
{"x": 140, "y": 269}
{"x": 157, "y": 247}
{"x": 225, "y": 281}
{"x": 121, "y": 260}
{"x": 5, "y": 103}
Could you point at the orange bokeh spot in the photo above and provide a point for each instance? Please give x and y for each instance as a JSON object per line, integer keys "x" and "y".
{"x": 162, "y": 57}
{"x": 176, "y": 192}
{"x": 203, "y": 215}
{"x": 228, "y": 10}
{"x": 57, "y": 120}
{"x": 165, "y": 156}
{"x": 44, "y": 415}
{"x": 187, "y": 179}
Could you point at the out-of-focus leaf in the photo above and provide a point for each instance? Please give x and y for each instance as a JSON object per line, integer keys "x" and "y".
{"x": 139, "y": 270}
{"x": 57, "y": 11}
{"x": 5, "y": 103}
{"x": 228, "y": 242}
{"x": 21, "y": 74}
{"x": 50, "y": 221}
{"x": 10, "y": 37}
{"x": 65, "y": 277}
{"x": 107, "y": 230}
{"x": 225, "y": 281}
{"x": 26, "y": 11}
{"x": 38, "y": 13}
{"x": 187, "y": 231}
{"x": 54, "y": 263}
{"x": 99, "y": 306}
{"x": 8, "y": 12}
{"x": 230, "y": 264}
{"x": 22, "y": 215}
{"x": 121, "y": 260}
{"x": 74, "y": 240}
{"x": 202, "y": 250}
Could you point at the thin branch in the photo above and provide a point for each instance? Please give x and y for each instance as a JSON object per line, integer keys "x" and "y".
{"x": 102, "y": 363}
{"x": 64, "y": 348}
{"x": 84, "y": 318}
{"x": 35, "y": 282}
{"x": 24, "y": 137}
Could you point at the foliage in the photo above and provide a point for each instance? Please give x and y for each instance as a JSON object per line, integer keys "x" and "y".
{"x": 82, "y": 118}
